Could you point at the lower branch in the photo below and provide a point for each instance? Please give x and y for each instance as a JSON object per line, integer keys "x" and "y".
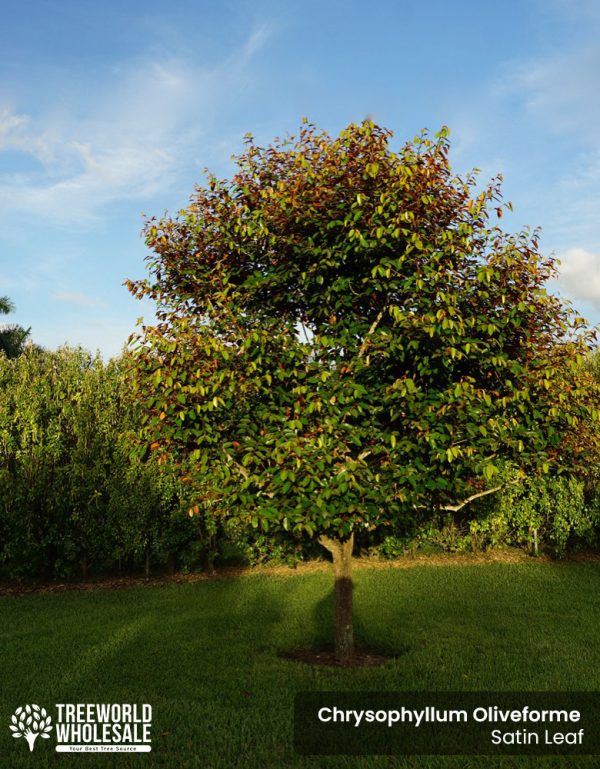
{"x": 460, "y": 505}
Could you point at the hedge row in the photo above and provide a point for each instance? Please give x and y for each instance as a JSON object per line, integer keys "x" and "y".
{"x": 77, "y": 498}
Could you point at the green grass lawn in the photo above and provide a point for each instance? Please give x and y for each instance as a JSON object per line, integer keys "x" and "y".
{"x": 205, "y": 655}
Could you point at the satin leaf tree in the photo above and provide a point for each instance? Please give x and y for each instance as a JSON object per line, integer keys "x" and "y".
{"x": 346, "y": 339}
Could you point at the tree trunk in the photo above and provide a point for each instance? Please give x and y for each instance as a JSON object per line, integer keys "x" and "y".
{"x": 171, "y": 563}
{"x": 341, "y": 551}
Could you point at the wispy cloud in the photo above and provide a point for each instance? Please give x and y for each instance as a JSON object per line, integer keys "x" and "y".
{"x": 550, "y": 99}
{"x": 562, "y": 90}
{"x": 16, "y": 134}
{"x": 79, "y": 299}
{"x": 251, "y": 47}
{"x": 134, "y": 139}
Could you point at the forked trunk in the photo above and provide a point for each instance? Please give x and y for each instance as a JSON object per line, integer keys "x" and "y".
{"x": 341, "y": 551}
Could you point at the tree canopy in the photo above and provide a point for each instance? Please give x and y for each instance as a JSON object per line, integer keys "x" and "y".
{"x": 346, "y": 334}
{"x": 347, "y": 338}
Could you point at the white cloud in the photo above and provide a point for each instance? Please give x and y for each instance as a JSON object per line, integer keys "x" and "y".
{"x": 547, "y": 108}
{"x": 579, "y": 275}
{"x": 16, "y": 134}
{"x": 133, "y": 140}
{"x": 10, "y": 125}
{"x": 79, "y": 299}
{"x": 561, "y": 90}
{"x": 254, "y": 43}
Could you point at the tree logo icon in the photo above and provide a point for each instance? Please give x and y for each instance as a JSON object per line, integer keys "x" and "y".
{"x": 31, "y": 722}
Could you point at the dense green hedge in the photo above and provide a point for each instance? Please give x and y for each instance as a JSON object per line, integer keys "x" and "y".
{"x": 76, "y": 498}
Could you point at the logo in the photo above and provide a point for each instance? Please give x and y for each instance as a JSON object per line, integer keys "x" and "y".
{"x": 87, "y": 727}
{"x": 31, "y": 722}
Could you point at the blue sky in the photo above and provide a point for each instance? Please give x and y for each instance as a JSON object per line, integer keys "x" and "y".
{"x": 111, "y": 110}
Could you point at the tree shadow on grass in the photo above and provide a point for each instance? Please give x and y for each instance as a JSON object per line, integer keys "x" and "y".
{"x": 321, "y": 648}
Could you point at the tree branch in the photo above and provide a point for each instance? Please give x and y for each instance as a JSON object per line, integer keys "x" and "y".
{"x": 460, "y": 505}
{"x": 370, "y": 332}
{"x": 456, "y": 508}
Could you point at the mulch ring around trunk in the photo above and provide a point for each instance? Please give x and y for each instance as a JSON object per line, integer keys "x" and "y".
{"x": 362, "y": 658}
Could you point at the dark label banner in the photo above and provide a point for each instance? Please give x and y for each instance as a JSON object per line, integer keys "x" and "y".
{"x": 447, "y": 723}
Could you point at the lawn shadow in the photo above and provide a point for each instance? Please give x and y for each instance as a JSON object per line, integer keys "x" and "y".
{"x": 320, "y": 650}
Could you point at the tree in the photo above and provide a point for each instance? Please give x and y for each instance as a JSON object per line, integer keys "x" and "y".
{"x": 12, "y": 337}
{"x": 31, "y": 722}
{"x": 345, "y": 340}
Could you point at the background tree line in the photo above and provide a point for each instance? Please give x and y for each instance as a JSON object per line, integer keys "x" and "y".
{"x": 12, "y": 336}
{"x": 74, "y": 495}
{"x": 80, "y": 497}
